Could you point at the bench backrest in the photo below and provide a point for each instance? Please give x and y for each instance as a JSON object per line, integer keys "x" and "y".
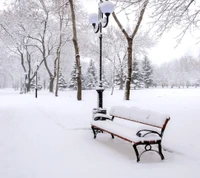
{"x": 135, "y": 114}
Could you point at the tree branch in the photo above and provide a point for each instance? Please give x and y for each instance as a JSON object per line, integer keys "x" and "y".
{"x": 140, "y": 19}
{"x": 120, "y": 25}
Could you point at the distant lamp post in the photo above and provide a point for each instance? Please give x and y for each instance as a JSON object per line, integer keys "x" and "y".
{"x": 98, "y": 22}
{"x": 36, "y": 78}
{"x": 25, "y": 82}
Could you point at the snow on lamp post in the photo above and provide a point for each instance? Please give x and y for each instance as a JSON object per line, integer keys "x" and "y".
{"x": 98, "y": 22}
{"x": 36, "y": 64}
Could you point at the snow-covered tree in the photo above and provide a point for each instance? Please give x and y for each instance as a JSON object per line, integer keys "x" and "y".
{"x": 114, "y": 40}
{"x": 61, "y": 81}
{"x": 136, "y": 75}
{"x": 120, "y": 78}
{"x": 90, "y": 81}
{"x": 73, "y": 78}
{"x": 183, "y": 72}
{"x": 120, "y": 74}
{"x": 105, "y": 82}
{"x": 76, "y": 48}
{"x": 130, "y": 39}
{"x": 33, "y": 84}
{"x": 147, "y": 72}
{"x": 182, "y": 14}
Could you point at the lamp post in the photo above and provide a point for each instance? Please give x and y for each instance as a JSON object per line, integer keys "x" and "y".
{"x": 25, "y": 82}
{"x": 98, "y": 22}
{"x": 36, "y": 78}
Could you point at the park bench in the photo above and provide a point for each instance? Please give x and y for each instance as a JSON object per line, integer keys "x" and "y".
{"x": 137, "y": 126}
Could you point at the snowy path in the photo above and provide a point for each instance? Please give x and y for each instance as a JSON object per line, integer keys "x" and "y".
{"x": 40, "y": 140}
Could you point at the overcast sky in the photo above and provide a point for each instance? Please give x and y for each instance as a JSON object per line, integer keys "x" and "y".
{"x": 1, "y": 4}
{"x": 166, "y": 49}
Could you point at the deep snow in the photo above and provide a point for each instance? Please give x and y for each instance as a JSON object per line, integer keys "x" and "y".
{"x": 50, "y": 137}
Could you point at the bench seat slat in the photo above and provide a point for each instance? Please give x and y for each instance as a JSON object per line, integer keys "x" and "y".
{"x": 135, "y": 114}
{"x": 124, "y": 131}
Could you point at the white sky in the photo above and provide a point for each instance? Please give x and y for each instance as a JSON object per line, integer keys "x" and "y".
{"x": 91, "y": 5}
{"x": 165, "y": 50}
{"x": 1, "y": 4}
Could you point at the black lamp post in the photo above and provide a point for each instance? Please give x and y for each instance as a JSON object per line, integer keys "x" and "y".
{"x": 98, "y": 22}
{"x": 25, "y": 82}
{"x": 36, "y": 79}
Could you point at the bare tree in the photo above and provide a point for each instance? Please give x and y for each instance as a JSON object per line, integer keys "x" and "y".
{"x": 183, "y": 72}
{"x": 115, "y": 40}
{"x": 17, "y": 42}
{"x": 48, "y": 40}
{"x": 130, "y": 39}
{"x": 76, "y": 48}
{"x": 182, "y": 14}
{"x": 164, "y": 15}
{"x": 60, "y": 13}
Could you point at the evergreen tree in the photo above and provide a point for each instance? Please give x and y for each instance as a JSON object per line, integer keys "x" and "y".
{"x": 120, "y": 77}
{"x": 32, "y": 84}
{"x": 83, "y": 82}
{"x": 136, "y": 75}
{"x": 61, "y": 81}
{"x": 105, "y": 82}
{"x": 147, "y": 72}
{"x": 73, "y": 78}
{"x": 90, "y": 81}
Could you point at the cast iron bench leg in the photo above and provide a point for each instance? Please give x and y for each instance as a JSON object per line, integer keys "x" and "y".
{"x": 95, "y": 134}
{"x": 136, "y": 152}
{"x": 160, "y": 151}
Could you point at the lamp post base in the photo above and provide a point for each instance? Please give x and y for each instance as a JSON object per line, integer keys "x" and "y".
{"x": 36, "y": 93}
{"x": 100, "y": 96}
{"x": 98, "y": 110}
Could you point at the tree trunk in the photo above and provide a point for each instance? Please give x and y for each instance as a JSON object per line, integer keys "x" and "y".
{"x": 121, "y": 82}
{"x": 76, "y": 48}
{"x": 130, "y": 45}
{"x": 58, "y": 70}
{"x": 79, "y": 82}
{"x": 129, "y": 73}
{"x": 51, "y": 83}
{"x": 58, "y": 52}
{"x": 44, "y": 50}
{"x": 28, "y": 86}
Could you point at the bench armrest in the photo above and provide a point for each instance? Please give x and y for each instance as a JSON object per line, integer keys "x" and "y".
{"x": 144, "y": 132}
{"x": 100, "y": 116}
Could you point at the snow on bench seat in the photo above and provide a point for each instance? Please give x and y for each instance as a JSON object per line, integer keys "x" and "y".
{"x": 123, "y": 131}
{"x": 139, "y": 115}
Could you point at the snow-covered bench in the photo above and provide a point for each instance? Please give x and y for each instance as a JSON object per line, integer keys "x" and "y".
{"x": 144, "y": 127}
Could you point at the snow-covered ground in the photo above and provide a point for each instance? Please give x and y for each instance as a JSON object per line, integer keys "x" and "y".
{"x": 50, "y": 137}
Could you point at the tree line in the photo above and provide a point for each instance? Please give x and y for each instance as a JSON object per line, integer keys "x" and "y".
{"x": 142, "y": 76}
{"x": 55, "y": 34}
{"x": 183, "y": 72}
